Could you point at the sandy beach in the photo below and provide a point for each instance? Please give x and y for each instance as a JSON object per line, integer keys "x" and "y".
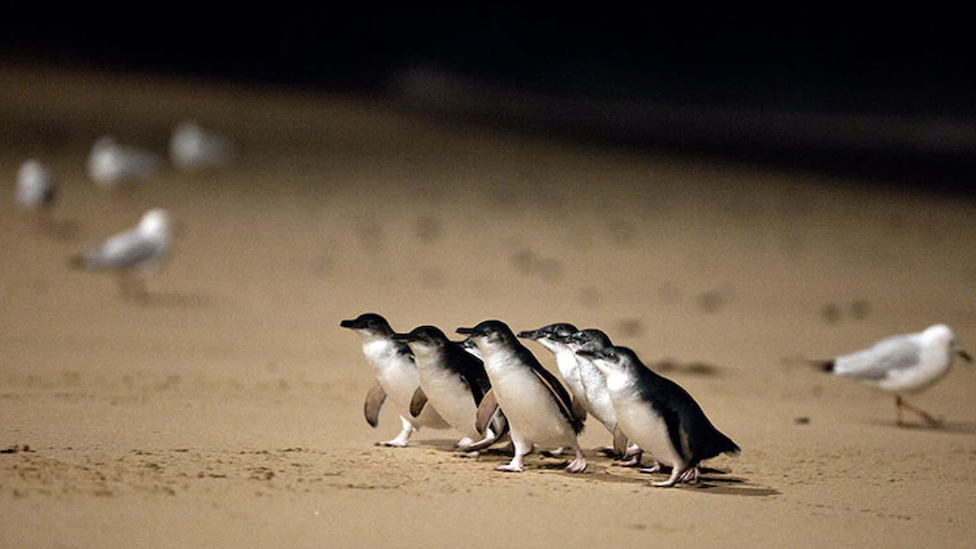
{"x": 226, "y": 411}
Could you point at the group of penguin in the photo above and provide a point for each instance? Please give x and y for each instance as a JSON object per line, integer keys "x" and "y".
{"x": 492, "y": 389}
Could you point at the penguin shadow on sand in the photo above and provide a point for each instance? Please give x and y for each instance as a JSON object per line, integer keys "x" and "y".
{"x": 712, "y": 481}
{"x": 500, "y": 454}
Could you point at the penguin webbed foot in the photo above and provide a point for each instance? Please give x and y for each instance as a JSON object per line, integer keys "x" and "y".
{"x": 635, "y": 454}
{"x": 401, "y": 439}
{"x": 490, "y": 440}
{"x": 395, "y": 443}
{"x": 555, "y": 452}
{"x": 656, "y": 468}
{"x": 690, "y": 476}
{"x": 578, "y": 465}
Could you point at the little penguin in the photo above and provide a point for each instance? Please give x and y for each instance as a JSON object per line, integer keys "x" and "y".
{"x": 553, "y": 337}
{"x": 585, "y": 382}
{"x": 598, "y": 401}
{"x": 455, "y": 382}
{"x": 659, "y": 415}
{"x": 537, "y": 406}
{"x": 396, "y": 378}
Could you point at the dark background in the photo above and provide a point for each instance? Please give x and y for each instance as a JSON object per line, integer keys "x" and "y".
{"x": 882, "y": 94}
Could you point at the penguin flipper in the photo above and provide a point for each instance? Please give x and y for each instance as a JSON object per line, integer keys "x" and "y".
{"x": 486, "y": 410}
{"x": 495, "y": 432}
{"x": 418, "y": 402}
{"x": 374, "y": 401}
{"x": 578, "y": 409}
{"x": 619, "y": 442}
{"x": 566, "y": 403}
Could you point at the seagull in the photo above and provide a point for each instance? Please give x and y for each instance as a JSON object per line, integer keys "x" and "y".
{"x": 110, "y": 163}
{"x": 902, "y": 364}
{"x": 35, "y": 187}
{"x": 192, "y": 148}
{"x": 133, "y": 254}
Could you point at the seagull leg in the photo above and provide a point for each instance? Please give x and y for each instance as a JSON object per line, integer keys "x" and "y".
{"x": 921, "y": 413}
{"x": 133, "y": 287}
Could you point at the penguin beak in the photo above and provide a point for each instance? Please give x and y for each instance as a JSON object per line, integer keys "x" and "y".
{"x": 588, "y": 354}
{"x": 466, "y": 331}
{"x": 529, "y": 334}
{"x": 405, "y": 338}
{"x": 348, "y": 324}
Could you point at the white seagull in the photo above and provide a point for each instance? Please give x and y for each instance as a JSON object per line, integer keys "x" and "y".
{"x": 110, "y": 163}
{"x": 902, "y": 364}
{"x": 133, "y": 254}
{"x": 193, "y": 148}
{"x": 36, "y": 190}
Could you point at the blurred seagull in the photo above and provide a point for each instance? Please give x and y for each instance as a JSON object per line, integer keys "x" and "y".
{"x": 111, "y": 163}
{"x": 35, "y": 187}
{"x": 133, "y": 254}
{"x": 902, "y": 364}
{"x": 192, "y": 148}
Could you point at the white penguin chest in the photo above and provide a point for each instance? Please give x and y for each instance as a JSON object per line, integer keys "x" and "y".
{"x": 449, "y": 394}
{"x": 395, "y": 371}
{"x": 641, "y": 423}
{"x": 569, "y": 370}
{"x": 598, "y": 400}
{"x": 531, "y": 409}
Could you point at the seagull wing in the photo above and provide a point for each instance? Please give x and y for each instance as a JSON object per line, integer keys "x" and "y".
{"x": 122, "y": 251}
{"x": 876, "y": 363}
